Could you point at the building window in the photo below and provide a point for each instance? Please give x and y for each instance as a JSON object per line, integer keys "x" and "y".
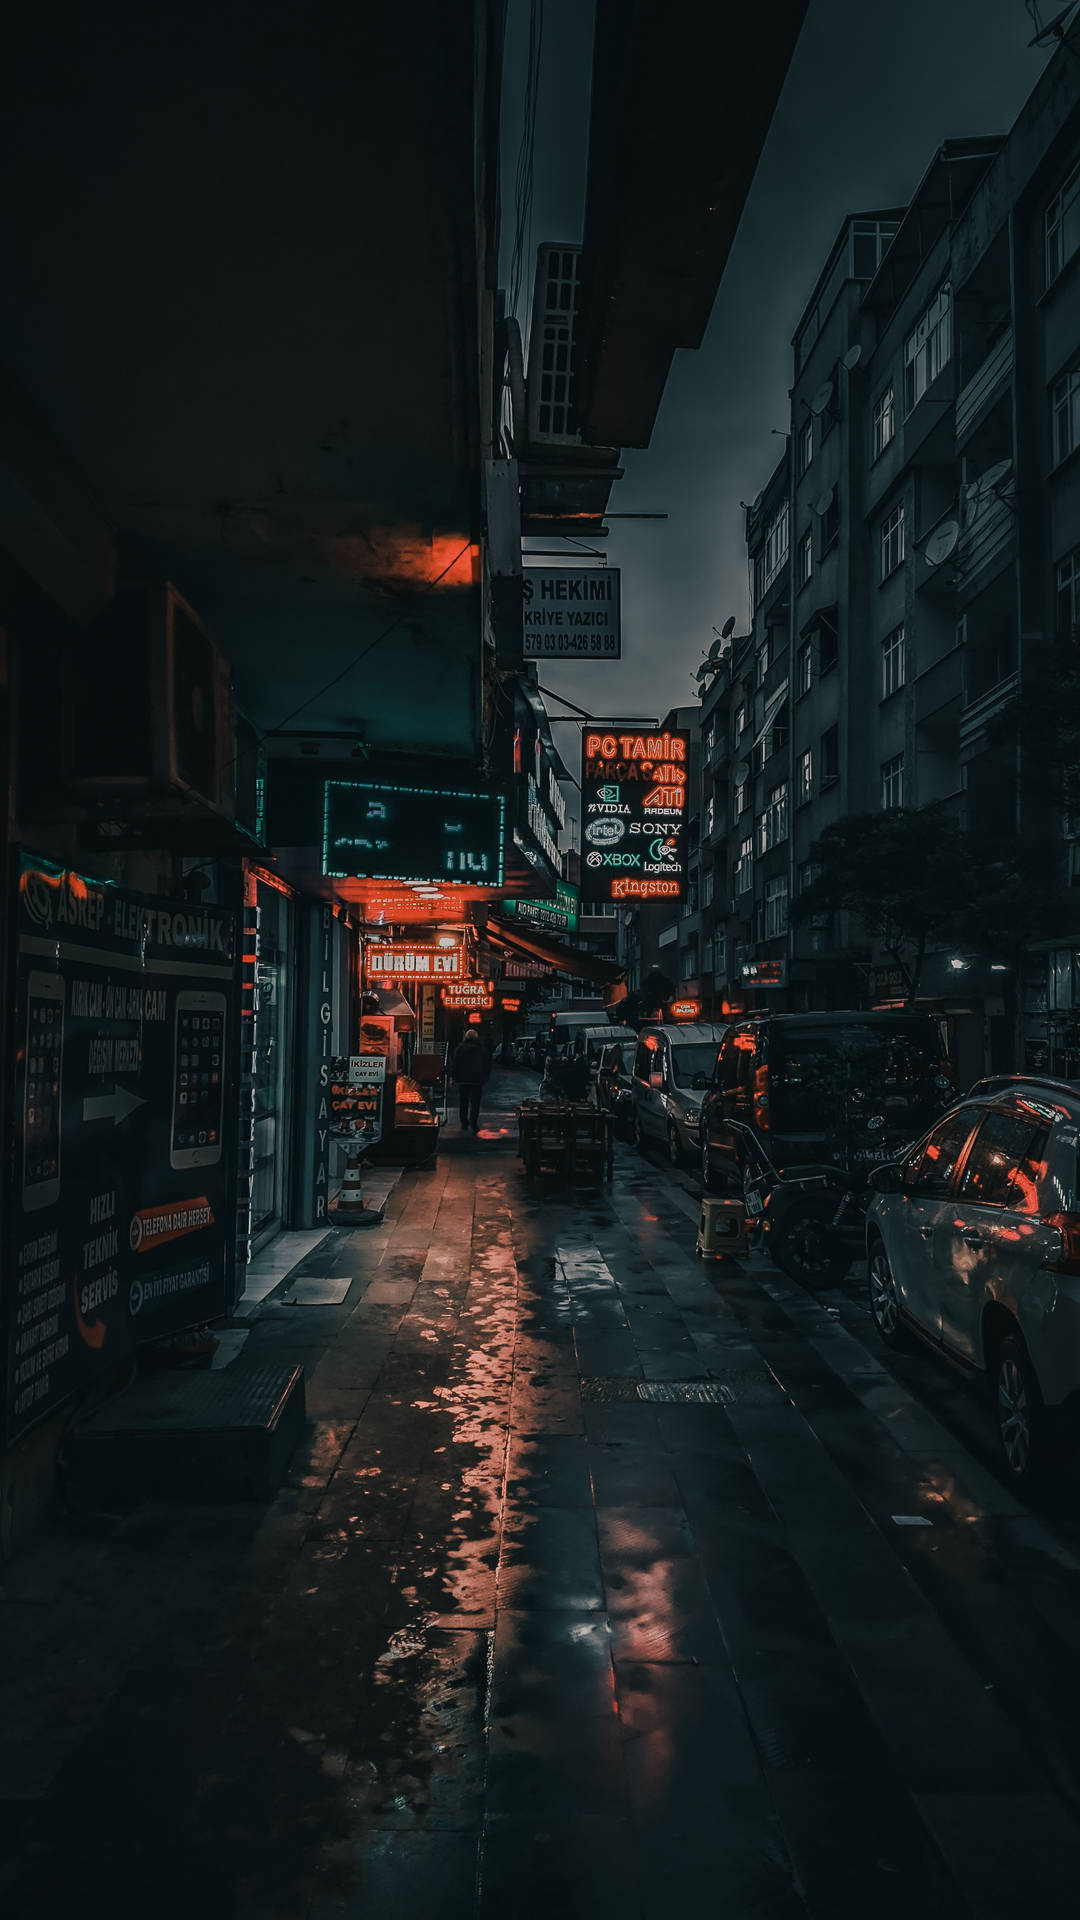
{"x": 1067, "y": 581}
{"x": 892, "y": 662}
{"x": 891, "y": 540}
{"x": 773, "y": 556}
{"x": 764, "y": 659}
{"x": 870, "y": 240}
{"x": 708, "y": 739}
{"x": 806, "y": 557}
{"x": 706, "y": 886}
{"x": 1065, "y": 412}
{"x": 805, "y": 668}
{"x": 806, "y": 445}
{"x": 830, "y": 413}
{"x": 773, "y": 823}
{"x": 775, "y": 907}
{"x": 744, "y": 866}
{"x": 892, "y": 782}
{"x": 1062, "y": 225}
{"x": 710, "y": 814}
{"x": 884, "y": 420}
{"x": 740, "y": 798}
{"x": 828, "y": 646}
{"x": 807, "y": 874}
{"x": 929, "y": 348}
{"x": 707, "y": 954}
{"x": 830, "y": 756}
{"x": 740, "y": 721}
{"x": 804, "y": 782}
{"x": 830, "y": 524}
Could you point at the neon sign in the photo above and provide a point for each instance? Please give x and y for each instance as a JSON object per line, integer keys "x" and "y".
{"x": 377, "y": 830}
{"x": 634, "y": 798}
{"x": 413, "y": 961}
{"x": 468, "y": 993}
{"x": 685, "y": 1009}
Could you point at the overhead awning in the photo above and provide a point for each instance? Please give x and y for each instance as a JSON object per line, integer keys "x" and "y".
{"x": 393, "y": 1005}
{"x": 772, "y": 708}
{"x": 553, "y": 953}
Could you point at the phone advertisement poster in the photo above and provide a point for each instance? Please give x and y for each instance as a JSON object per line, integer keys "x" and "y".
{"x": 120, "y": 1168}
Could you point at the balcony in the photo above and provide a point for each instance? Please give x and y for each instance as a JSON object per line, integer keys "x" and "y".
{"x": 987, "y": 382}
{"x": 976, "y": 717}
{"x": 721, "y": 752}
{"x": 987, "y": 544}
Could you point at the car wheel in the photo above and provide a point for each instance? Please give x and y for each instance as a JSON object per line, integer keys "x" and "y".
{"x": 803, "y": 1245}
{"x": 884, "y": 1296}
{"x": 1020, "y": 1415}
{"x": 674, "y": 1147}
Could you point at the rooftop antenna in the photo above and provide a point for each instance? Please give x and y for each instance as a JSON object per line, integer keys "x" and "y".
{"x": 1053, "y": 30}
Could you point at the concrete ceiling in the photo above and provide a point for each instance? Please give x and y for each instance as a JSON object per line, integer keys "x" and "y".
{"x": 240, "y": 283}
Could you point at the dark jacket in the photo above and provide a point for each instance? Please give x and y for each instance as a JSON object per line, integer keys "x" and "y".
{"x": 470, "y": 1065}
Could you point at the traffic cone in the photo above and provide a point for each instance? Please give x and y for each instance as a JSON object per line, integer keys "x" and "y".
{"x": 350, "y": 1206}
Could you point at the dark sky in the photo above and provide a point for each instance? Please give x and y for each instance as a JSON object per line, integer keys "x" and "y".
{"x": 872, "y": 90}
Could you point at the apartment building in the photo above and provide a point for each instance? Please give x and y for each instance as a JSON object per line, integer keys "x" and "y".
{"x": 914, "y": 557}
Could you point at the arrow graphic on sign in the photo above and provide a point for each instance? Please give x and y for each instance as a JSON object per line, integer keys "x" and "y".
{"x": 114, "y": 1106}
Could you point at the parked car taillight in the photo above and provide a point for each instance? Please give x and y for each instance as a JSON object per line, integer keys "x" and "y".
{"x": 761, "y": 1100}
{"x": 1068, "y": 1225}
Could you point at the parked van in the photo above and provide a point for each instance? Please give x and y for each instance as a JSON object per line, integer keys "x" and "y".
{"x": 840, "y": 1090}
{"x": 591, "y": 1041}
{"x": 673, "y": 1066}
{"x": 564, "y": 1027}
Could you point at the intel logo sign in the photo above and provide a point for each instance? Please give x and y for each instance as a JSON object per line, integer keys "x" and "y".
{"x": 604, "y": 833}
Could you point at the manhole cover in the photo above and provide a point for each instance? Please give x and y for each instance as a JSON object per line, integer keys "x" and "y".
{"x": 742, "y": 1387}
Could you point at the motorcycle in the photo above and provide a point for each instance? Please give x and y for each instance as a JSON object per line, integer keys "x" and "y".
{"x": 811, "y": 1219}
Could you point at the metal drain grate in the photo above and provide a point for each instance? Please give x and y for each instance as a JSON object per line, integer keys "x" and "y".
{"x": 738, "y": 1387}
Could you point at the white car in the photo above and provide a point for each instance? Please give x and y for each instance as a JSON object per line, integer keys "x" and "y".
{"x": 973, "y": 1242}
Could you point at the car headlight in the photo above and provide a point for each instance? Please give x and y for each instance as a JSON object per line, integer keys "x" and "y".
{"x": 692, "y": 1116}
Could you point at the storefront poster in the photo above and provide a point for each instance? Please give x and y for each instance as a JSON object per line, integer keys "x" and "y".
{"x": 120, "y": 1168}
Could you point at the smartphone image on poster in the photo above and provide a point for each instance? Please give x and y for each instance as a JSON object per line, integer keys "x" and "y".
{"x": 198, "y": 1079}
{"x": 41, "y": 1098}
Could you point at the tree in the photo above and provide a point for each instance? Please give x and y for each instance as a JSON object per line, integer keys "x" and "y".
{"x": 896, "y": 873}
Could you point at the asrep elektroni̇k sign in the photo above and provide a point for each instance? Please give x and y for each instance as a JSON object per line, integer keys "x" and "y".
{"x": 634, "y": 790}
{"x": 572, "y": 613}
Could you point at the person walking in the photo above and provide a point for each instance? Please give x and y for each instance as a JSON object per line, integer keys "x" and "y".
{"x": 470, "y": 1067}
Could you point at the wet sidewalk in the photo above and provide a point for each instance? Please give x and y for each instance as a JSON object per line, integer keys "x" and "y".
{"x": 608, "y": 1584}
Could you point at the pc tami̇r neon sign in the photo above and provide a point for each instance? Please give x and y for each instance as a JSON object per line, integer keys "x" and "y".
{"x": 634, "y": 806}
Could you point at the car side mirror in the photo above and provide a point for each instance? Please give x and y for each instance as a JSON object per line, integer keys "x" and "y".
{"x": 886, "y": 1180}
{"x": 699, "y": 1082}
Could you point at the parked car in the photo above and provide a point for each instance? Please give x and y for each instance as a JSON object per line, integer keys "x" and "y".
{"x": 973, "y": 1243}
{"x": 843, "y": 1091}
{"x": 673, "y": 1066}
{"x": 615, "y": 1083}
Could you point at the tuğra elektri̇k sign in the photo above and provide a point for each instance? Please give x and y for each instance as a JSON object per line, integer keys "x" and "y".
{"x": 634, "y": 792}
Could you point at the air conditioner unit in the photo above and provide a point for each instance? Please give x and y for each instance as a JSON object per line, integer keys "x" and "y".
{"x": 147, "y": 711}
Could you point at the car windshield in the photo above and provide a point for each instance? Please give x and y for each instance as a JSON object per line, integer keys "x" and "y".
{"x": 688, "y": 1060}
{"x": 822, "y": 1076}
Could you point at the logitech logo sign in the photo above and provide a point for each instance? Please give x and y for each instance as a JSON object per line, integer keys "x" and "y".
{"x": 604, "y": 833}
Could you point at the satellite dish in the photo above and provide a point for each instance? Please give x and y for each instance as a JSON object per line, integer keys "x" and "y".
{"x": 851, "y": 358}
{"x": 970, "y": 493}
{"x": 941, "y": 542}
{"x": 824, "y": 500}
{"x": 822, "y": 398}
{"x": 1054, "y": 29}
{"x": 728, "y": 628}
{"x": 742, "y": 772}
{"x": 715, "y": 652}
{"x": 990, "y": 481}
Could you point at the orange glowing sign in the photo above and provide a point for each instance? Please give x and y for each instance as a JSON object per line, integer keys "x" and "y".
{"x": 469, "y": 993}
{"x": 510, "y": 1006}
{"x": 634, "y": 790}
{"x": 429, "y": 960}
{"x": 685, "y": 1009}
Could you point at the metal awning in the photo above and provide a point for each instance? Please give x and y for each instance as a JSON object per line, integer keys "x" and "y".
{"x": 821, "y": 617}
{"x": 772, "y": 708}
{"x": 553, "y": 953}
{"x": 393, "y": 1005}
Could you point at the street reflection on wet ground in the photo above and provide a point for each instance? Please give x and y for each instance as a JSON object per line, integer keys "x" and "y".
{"x": 516, "y": 1640}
